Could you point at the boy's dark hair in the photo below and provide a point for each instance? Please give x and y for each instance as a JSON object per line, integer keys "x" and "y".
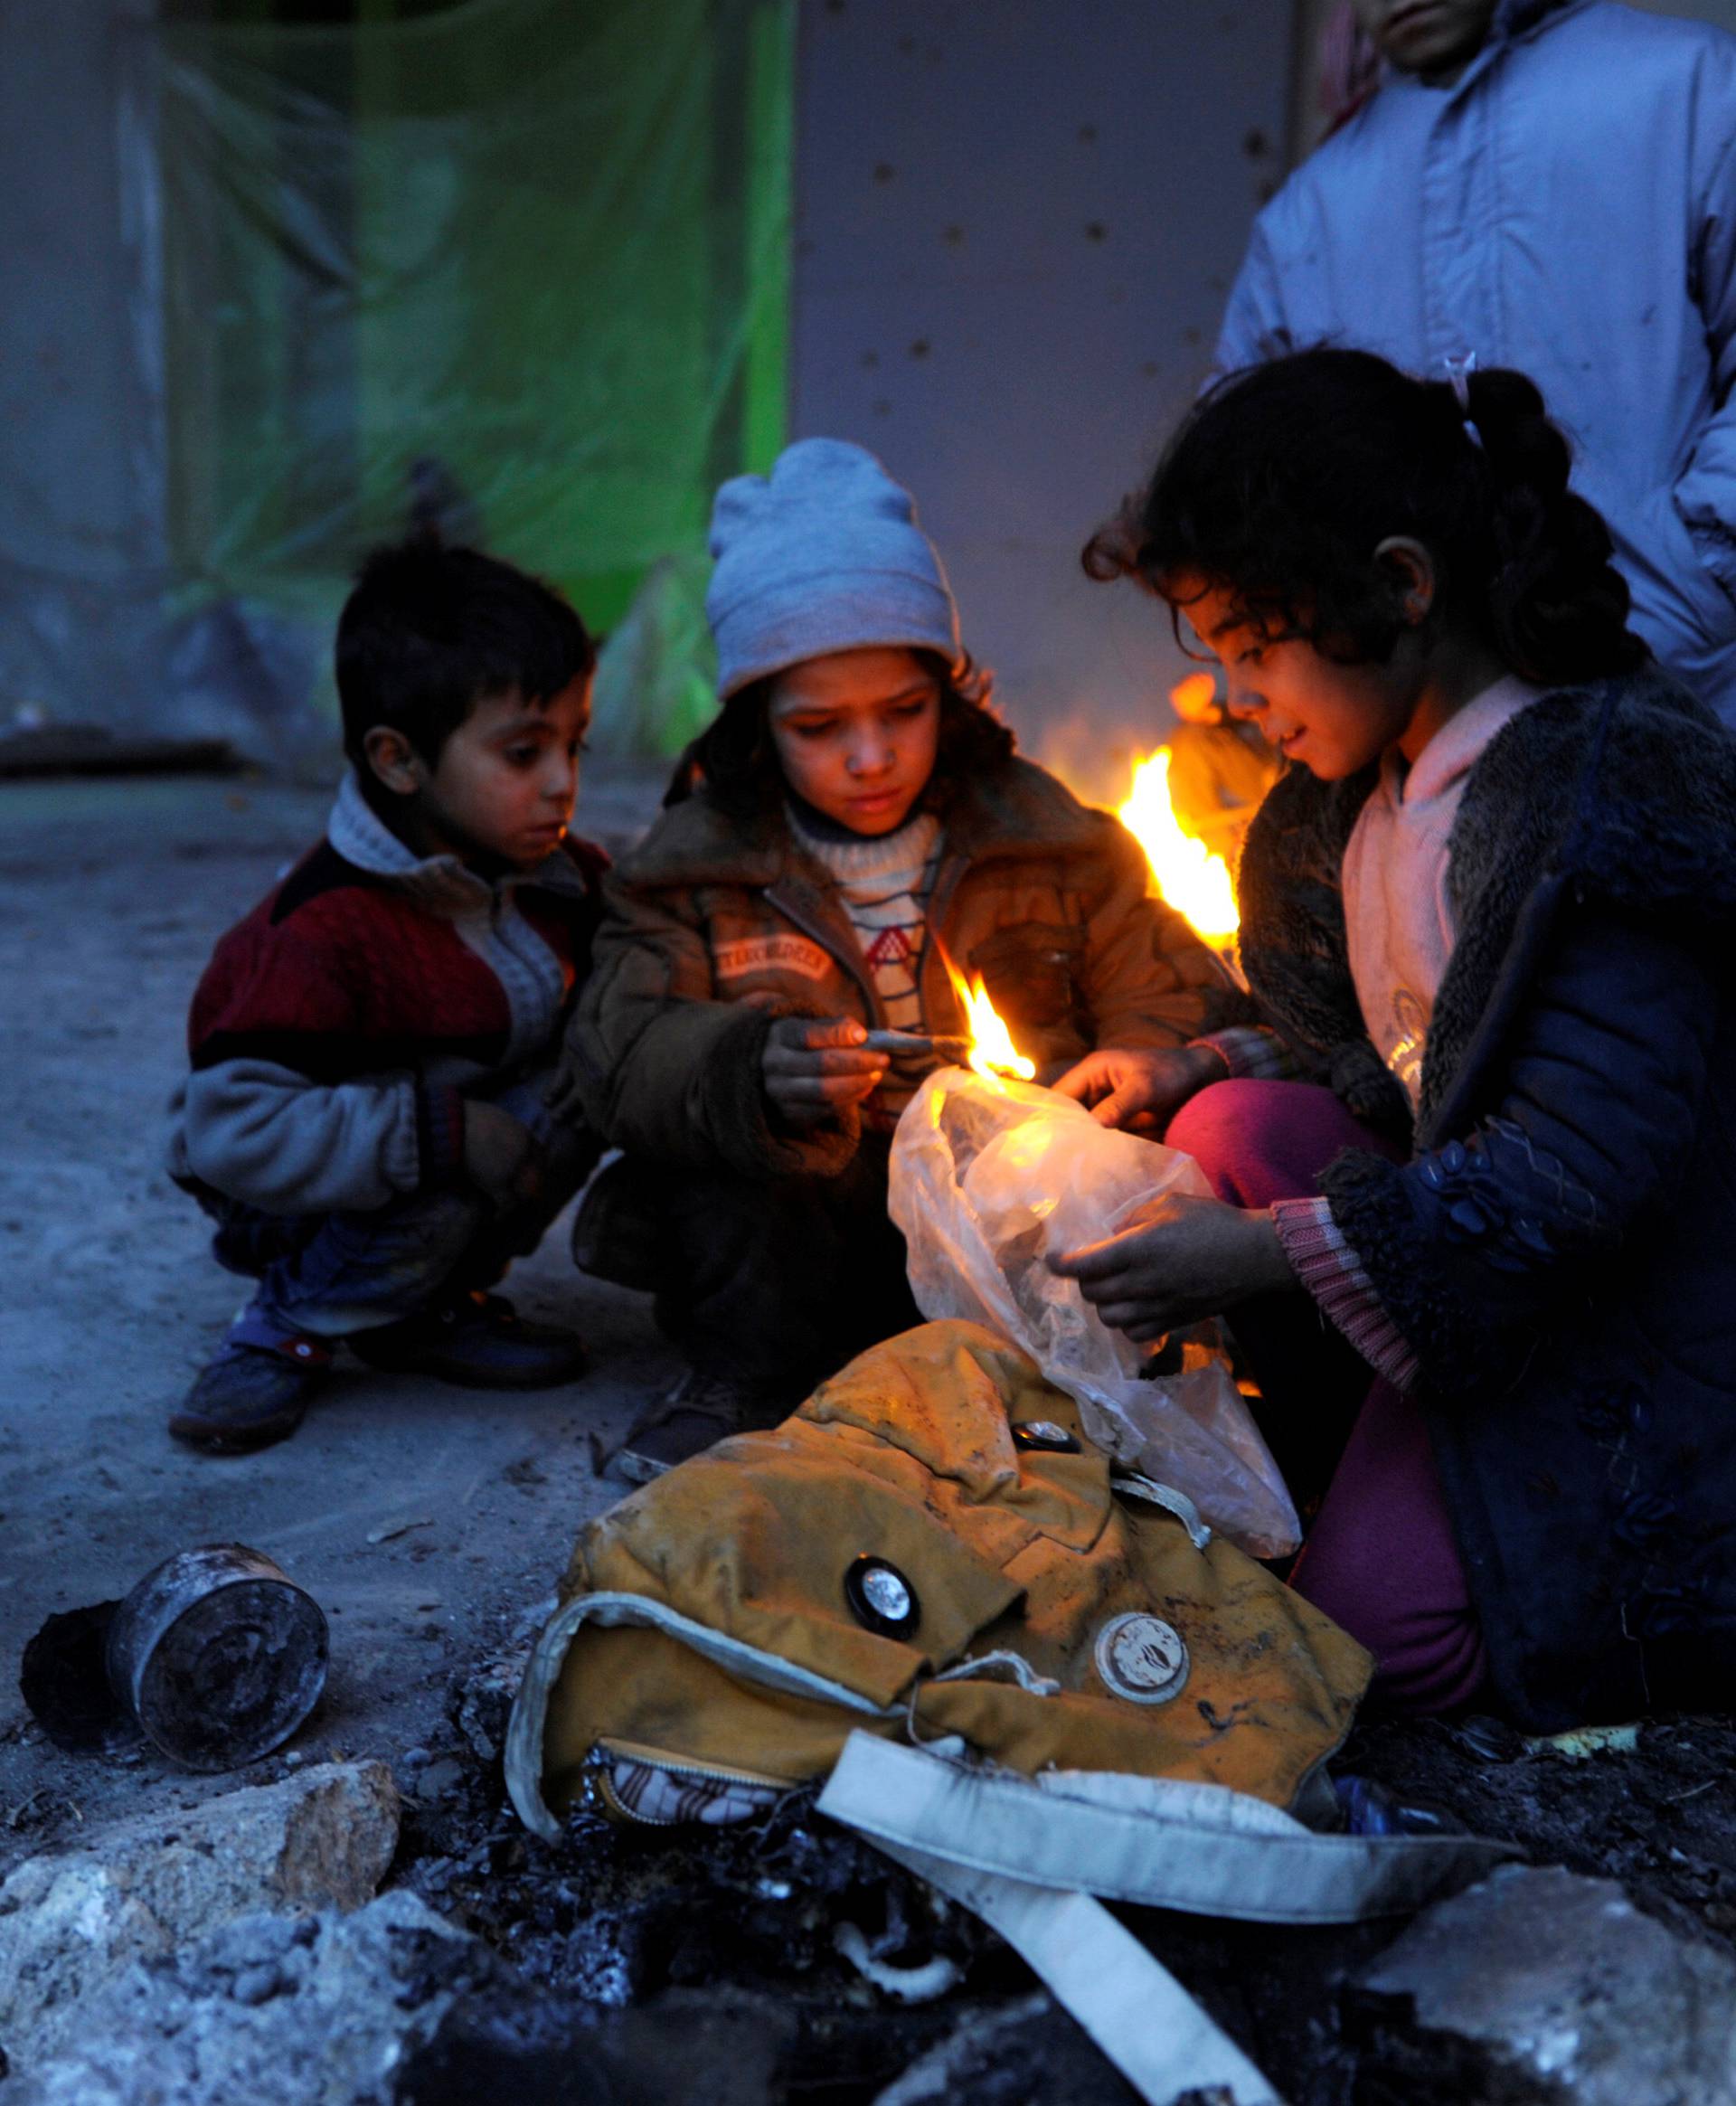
{"x": 428, "y": 631}
{"x": 1282, "y": 481}
{"x": 735, "y": 761}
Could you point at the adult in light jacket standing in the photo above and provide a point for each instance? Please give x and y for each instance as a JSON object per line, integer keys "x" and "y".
{"x": 1549, "y": 184}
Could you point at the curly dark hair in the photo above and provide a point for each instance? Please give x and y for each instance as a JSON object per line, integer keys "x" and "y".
{"x": 735, "y": 762}
{"x": 1283, "y": 479}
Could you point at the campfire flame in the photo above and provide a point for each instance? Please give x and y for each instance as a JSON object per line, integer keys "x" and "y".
{"x": 1191, "y": 879}
{"x": 992, "y": 1051}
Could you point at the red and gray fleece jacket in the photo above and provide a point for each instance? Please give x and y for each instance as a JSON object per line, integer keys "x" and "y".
{"x": 338, "y": 1029}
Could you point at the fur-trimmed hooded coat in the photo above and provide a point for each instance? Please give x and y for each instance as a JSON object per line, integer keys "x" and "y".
{"x": 1559, "y": 1251}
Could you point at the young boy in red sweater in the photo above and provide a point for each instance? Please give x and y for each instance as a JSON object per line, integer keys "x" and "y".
{"x": 365, "y": 1118}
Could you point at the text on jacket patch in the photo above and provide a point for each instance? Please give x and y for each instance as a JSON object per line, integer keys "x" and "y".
{"x": 759, "y": 954}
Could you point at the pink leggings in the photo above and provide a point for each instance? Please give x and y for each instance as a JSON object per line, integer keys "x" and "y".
{"x": 1380, "y": 1557}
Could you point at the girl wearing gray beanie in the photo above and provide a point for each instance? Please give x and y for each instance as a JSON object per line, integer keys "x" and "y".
{"x": 855, "y": 818}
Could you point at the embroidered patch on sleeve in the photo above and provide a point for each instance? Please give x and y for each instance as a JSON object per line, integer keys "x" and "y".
{"x": 761, "y": 954}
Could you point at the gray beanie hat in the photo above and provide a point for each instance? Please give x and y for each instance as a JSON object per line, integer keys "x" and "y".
{"x": 824, "y": 555}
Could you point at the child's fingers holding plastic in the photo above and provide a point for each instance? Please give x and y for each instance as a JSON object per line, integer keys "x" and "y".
{"x": 1092, "y": 1264}
{"x": 1139, "y": 1320}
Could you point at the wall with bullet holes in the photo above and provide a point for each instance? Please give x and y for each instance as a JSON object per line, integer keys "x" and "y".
{"x": 1016, "y": 223}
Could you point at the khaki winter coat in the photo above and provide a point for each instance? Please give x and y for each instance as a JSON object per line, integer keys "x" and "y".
{"x": 714, "y": 925}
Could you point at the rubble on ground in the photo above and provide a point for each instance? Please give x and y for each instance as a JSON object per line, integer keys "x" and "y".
{"x": 627, "y": 1920}
{"x": 308, "y": 2010}
{"x": 141, "y": 1890}
{"x": 624, "y": 1967}
{"x": 1537, "y": 1985}
{"x": 507, "y": 2041}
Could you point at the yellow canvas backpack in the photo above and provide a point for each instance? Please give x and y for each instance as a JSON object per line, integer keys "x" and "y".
{"x": 1028, "y": 1678}
{"x": 929, "y": 1547}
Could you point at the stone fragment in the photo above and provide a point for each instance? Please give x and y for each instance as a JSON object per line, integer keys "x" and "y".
{"x": 1538, "y": 1987}
{"x": 1010, "y": 2054}
{"x": 353, "y": 1996}
{"x": 259, "y": 1985}
{"x": 441, "y": 1777}
{"x": 145, "y": 1888}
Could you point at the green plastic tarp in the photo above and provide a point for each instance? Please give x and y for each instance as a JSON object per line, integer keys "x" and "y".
{"x": 516, "y": 269}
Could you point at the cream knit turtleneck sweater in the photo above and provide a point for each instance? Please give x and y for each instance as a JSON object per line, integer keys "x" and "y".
{"x": 882, "y": 882}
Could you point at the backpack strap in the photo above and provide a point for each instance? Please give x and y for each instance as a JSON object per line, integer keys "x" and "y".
{"x": 1028, "y": 1856}
{"x": 1156, "y": 1842}
{"x": 1132, "y": 2007}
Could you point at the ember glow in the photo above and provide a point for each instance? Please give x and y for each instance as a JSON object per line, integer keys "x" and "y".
{"x": 992, "y": 1051}
{"x": 1190, "y": 878}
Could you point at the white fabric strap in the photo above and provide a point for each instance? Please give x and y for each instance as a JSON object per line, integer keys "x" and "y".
{"x": 1198, "y": 1847}
{"x": 1133, "y": 2007}
{"x": 1028, "y": 1854}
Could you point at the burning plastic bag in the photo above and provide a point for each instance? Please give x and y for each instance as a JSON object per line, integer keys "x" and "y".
{"x": 987, "y": 1179}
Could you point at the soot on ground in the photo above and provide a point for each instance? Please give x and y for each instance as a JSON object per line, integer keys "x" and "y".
{"x": 631, "y": 1953}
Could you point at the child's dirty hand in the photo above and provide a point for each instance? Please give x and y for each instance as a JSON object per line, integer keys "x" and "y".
{"x": 1185, "y": 1258}
{"x": 497, "y": 1154}
{"x": 1141, "y": 1092}
{"x": 814, "y": 1069}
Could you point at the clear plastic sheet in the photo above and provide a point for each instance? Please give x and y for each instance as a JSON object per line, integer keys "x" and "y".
{"x": 987, "y": 1180}
{"x": 515, "y": 268}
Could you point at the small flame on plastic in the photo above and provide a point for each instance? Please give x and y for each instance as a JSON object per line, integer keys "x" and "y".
{"x": 1192, "y": 880}
{"x": 992, "y": 1051}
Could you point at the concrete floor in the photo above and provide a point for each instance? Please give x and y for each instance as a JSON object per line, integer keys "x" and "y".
{"x": 111, "y": 895}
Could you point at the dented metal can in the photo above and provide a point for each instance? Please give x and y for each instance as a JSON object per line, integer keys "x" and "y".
{"x": 219, "y": 1655}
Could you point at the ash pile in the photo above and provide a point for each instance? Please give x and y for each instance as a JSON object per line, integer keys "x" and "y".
{"x": 385, "y": 1930}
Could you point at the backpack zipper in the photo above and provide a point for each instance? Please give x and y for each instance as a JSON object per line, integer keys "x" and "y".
{"x": 600, "y": 1794}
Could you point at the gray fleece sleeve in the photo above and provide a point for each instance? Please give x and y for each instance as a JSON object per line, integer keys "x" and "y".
{"x": 268, "y": 1137}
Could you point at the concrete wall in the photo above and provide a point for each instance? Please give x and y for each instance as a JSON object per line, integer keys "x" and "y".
{"x": 1015, "y": 226}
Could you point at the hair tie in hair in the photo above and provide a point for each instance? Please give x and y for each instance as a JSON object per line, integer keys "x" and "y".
{"x": 1460, "y": 365}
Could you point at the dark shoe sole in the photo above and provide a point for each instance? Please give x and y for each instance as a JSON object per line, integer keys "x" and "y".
{"x": 462, "y": 1375}
{"x": 212, "y": 1438}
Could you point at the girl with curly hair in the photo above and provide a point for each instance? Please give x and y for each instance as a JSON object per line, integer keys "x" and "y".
{"x": 1474, "y": 1143}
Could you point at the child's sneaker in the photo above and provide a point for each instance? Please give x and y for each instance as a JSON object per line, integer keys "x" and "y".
{"x": 699, "y": 1411}
{"x": 251, "y": 1395}
{"x": 476, "y": 1341}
